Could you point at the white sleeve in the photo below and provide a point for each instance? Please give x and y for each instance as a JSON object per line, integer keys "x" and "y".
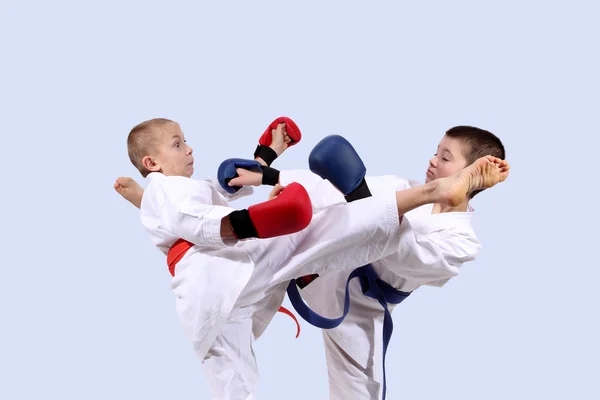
{"x": 433, "y": 257}
{"x": 243, "y": 192}
{"x": 190, "y": 214}
{"x": 433, "y": 247}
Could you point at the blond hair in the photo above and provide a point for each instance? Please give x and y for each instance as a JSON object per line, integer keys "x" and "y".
{"x": 142, "y": 141}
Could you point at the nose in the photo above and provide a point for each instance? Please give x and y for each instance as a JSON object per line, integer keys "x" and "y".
{"x": 433, "y": 161}
{"x": 189, "y": 150}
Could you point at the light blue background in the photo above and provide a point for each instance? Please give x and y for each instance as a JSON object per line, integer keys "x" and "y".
{"x": 85, "y": 303}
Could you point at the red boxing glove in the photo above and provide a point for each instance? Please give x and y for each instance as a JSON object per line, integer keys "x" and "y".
{"x": 291, "y": 128}
{"x": 289, "y": 212}
{"x": 264, "y": 151}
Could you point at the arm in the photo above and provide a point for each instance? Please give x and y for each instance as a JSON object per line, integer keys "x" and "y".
{"x": 243, "y": 192}
{"x": 432, "y": 253}
{"x": 432, "y": 247}
{"x": 322, "y": 193}
{"x": 188, "y": 213}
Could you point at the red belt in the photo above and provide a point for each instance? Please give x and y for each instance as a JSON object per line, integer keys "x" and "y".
{"x": 178, "y": 250}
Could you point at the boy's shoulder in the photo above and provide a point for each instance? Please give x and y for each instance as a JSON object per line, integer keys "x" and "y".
{"x": 176, "y": 188}
{"x": 176, "y": 182}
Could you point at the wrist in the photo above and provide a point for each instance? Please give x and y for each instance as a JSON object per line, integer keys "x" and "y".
{"x": 266, "y": 154}
{"x": 227, "y": 233}
{"x": 277, "y": 149}
{"x": 270, "y": 176}
{"x": 241, "y": 225}
{"x": 261, "y": 161}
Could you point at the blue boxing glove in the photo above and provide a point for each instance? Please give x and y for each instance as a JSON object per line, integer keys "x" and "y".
{"x": 334, "y": 159}
{"x": 227, "y": 171}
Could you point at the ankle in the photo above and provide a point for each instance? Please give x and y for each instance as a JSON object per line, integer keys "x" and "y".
{"x": 432, "y": 191}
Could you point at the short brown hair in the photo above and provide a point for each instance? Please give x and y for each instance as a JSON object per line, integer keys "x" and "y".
{"x": 142, "y": 141}
{"x": 477, "y": 143}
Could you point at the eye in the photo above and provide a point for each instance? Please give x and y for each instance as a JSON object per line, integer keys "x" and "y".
{"x": 445, "y": 159}
{"x": 176, "y": 144}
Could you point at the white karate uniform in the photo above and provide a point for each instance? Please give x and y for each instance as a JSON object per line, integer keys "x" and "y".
{"x": 227, "y": 293}
{"x": 432, "y": 249}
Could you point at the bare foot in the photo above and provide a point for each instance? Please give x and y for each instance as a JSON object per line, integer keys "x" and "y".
{"x": 130, "y": 190}
{"x": 482, "y": 174}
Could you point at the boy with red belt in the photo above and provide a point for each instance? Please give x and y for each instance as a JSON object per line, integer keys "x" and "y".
{"x": 228, "y": 284}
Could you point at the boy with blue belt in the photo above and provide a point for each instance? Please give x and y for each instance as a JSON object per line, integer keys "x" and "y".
{"x": 436, "y": 240}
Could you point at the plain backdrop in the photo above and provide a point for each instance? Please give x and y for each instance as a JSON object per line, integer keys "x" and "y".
{"x": 85, "y": 302}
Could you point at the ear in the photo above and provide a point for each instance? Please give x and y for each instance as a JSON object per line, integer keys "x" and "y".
{"x": 150, "y": 164}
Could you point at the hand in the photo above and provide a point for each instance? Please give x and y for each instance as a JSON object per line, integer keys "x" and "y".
{"x": 277, "y": 189}
{"x": 246, "y": 178}
{"x": 280, "y": 139}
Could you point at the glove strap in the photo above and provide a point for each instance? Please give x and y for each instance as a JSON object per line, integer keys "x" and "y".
{"x": 270, "y": 176}
{"x": 266, "y": 153}
{"x": 361, "y": 192}
{"x": 242, "y": 225}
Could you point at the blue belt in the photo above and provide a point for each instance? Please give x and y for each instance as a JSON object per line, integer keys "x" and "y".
{"x": 372, "y": 287}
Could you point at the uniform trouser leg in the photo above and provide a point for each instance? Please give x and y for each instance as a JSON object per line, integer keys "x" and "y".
{"x": 340, "y": 237}
{"x": 344, "y": 236}
{"x": 348, "y": 380}
{"x": 230, "y": 365}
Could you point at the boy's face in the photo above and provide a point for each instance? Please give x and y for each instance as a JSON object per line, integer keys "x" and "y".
{"x": 173, "y": 156}
{"x": 447, "y": 160}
